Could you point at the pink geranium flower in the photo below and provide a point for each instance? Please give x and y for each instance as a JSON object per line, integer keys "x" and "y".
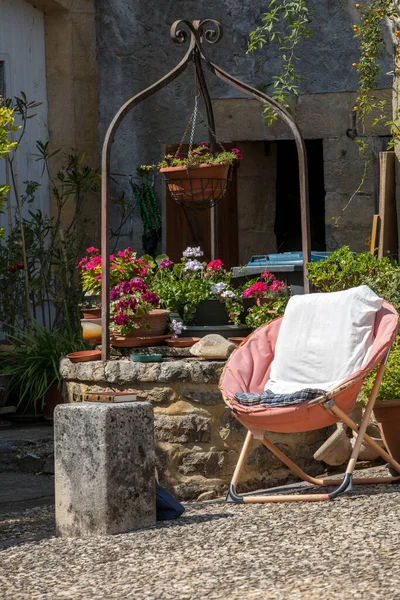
{"x": 215, "y": 265}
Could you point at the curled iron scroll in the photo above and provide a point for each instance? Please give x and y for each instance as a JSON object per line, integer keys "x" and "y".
{"x": 208, "y": 30}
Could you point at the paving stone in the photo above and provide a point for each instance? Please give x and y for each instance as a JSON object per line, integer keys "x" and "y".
{"x": 30, "y": 463}
{"x": 48, "y": 466}
{"x": 216, "y": 551}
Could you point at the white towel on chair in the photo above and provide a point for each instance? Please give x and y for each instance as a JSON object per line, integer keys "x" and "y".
{"x": 323, "y": 339}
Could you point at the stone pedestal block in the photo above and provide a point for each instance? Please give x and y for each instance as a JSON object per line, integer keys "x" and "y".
{"x": 104, "y": 468}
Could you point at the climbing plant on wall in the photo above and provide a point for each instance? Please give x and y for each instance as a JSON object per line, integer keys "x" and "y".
{"x": 288, "y": 22}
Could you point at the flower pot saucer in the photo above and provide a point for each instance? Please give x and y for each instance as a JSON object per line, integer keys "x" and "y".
{"x": 119, "y": 341}
{"x": 236, "y": 340}
{"x": 84, "y": 356}
{"x": 184, "y": 342}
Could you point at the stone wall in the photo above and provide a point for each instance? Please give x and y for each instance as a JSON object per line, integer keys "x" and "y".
{"x": 134, "y": 51}
{"x": 198, "y": 441}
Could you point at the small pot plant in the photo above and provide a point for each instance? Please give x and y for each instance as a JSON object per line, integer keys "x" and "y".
{"x": 32, "y": 365}
{"x": 387, "y": 406}
{"x": 201, "y": 293}
{"x": 270, "y": 297}
{"x": 124, "y": 266}
{"x": 133, "y": 310}
{"x": 200, "y": 176}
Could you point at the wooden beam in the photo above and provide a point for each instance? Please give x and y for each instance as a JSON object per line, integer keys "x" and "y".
{"x": 388, "y": 239}
{"x": 375, "y": 234}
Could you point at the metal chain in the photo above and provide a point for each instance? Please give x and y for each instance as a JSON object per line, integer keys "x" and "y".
{"x": 204, "y": 121}
{"x": 194, "y": 122}
{"x": 184, "y": 135}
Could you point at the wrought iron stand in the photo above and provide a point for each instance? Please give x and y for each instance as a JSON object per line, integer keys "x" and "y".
{"x": 196, "y": 34}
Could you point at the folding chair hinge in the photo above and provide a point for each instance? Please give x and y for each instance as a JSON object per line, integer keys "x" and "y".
{"x": 328, "y": 404}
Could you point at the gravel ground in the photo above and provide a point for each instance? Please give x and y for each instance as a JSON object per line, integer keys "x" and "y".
{"x": 348, "y": 548}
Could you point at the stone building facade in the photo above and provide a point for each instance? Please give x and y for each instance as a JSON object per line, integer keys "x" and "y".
{"x": 99, "y": 54}
{"x": 134, "y": 50}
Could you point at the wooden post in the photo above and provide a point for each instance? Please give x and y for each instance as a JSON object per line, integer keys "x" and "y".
{"x": 374, "y": 234}
{"x": 388, "y": 239}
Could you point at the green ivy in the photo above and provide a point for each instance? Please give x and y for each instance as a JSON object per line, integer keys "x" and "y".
{"x": 286, "y": 23}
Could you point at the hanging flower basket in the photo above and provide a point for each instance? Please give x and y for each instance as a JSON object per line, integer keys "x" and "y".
{"x": 200, "y": 186}
{"x": 199, "y": 180}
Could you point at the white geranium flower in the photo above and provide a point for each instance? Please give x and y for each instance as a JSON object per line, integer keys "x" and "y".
{"x": 193, "y": 252}
{"x": 193, "y": 265}
{"x": 217, "y": 288}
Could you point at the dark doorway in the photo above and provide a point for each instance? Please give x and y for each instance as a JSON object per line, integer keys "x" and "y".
{"x": 288, "y": 220}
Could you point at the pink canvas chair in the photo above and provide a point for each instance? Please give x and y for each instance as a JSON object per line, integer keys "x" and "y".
{"x": 248, "y": 370}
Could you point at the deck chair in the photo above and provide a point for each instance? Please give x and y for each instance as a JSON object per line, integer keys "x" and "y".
{"x": 349, "y": 333}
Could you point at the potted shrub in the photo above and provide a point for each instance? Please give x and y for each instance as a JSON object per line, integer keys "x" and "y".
{"x": 201, "y": 175}
{"x": 201, "y": 293}
{"x": 387, "y": 406}
{"x": 32, "y": 365}
{"x": 134, "y": 310}
{"x": 124, "y": 266}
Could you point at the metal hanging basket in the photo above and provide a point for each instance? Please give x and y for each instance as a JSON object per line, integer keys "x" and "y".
{"x": 198, "y": 187}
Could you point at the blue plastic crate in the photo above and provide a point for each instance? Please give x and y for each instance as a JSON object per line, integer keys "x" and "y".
{"x": 284, "y": 258}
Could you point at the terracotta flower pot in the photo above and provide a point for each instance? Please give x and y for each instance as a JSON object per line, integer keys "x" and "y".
{"x": 387, "y": 413}
{"x": 91, "y": 313}
{"x": 91, "y": 331}
{"x": 156, "y": 319}
{"x": 197, "y": 183}
{"x": 52, "y": 398}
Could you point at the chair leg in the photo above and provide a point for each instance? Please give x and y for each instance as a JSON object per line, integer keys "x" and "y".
{"x": 232, "y": 496}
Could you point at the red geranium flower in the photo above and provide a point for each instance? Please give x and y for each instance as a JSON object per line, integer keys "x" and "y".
{"x": 215, "y": 265}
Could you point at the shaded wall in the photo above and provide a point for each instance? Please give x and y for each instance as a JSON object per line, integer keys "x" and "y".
{"x": 134, "y": 50}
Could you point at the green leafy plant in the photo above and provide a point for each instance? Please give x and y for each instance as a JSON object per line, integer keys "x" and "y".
{"x": 7, "y": 128}
{"x": 390, "y": 386}
{"x": 264, "y": 313}
{"x": 38, "y": 278}
{"x": 287, "y": 22}
{"x": 271, "y": 297}
{"x": 131, "y": 300}
{"x": 343, "y": 270}
{"x": 199, "y": 155}
{"x": 149, "y": 212}
{"x": 33, "y": 363}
